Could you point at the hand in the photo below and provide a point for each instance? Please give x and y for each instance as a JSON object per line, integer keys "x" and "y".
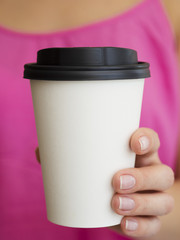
{"x": 140, "y": 195}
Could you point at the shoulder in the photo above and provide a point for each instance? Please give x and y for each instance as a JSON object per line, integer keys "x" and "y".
{"x": 172, "y": 8}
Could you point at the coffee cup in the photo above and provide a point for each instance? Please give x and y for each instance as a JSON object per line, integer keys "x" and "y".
{"x": 87, "y": 104}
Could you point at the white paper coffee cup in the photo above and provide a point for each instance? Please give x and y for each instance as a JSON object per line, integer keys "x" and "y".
{"x": 83, "y": 129}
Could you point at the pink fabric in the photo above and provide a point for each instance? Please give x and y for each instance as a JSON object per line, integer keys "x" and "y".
{"x": 145, "y": 28}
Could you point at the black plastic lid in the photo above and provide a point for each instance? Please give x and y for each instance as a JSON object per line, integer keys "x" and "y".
{"x": 86, "y": 63}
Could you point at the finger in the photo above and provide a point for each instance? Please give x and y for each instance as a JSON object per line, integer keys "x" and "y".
{"x": 37, "y": 154}
{"x": 157, "y": 204}
{"x": 140, "y": 226}
{"x": 144, "y": 141}
{"x": 147, "y": 160}
{"x": 156, "y": 177}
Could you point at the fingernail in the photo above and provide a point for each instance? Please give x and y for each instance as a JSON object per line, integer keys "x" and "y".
{"x": 126, "y": 203}
{"x": 144, "y": 142}
{"x": 131, "y": 225}
{"x": 127, "y": 181}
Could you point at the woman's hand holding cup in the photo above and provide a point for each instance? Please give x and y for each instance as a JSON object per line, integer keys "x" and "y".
{"x": 140, "y": 192}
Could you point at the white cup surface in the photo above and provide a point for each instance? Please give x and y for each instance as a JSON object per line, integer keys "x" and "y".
{"x": 83, "y": 130}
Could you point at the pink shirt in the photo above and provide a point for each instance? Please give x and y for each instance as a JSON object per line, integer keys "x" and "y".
{"x": 144, "y": 28}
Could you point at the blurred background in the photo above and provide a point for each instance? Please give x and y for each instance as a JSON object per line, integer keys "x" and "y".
{"x": 151, "y": 27}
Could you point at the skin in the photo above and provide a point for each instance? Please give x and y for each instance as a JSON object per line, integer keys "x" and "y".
{"x": 56, "y": 15}
{"x": 155, "y": 221}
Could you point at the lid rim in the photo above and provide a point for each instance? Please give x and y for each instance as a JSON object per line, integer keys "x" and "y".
{"x": 87, "y": 75}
